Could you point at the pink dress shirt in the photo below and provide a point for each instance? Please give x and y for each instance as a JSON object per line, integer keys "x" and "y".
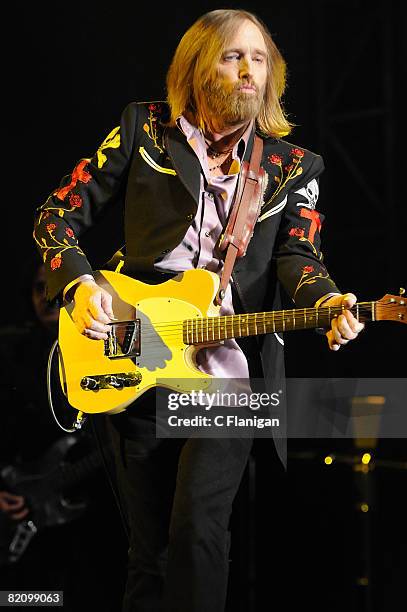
{"x": 197, "y": 249}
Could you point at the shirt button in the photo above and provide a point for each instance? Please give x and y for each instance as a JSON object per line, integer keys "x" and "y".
{"x": 190, "y": 217}
{"x": 165, "y": 252}
{"x": 207, "y": 234}
{"x": 210, "y": 196}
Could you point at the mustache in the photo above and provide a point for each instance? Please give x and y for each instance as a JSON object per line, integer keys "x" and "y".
{"x": 245, "y": 83}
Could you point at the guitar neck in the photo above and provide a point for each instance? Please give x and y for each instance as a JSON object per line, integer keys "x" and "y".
{"x": 213, "y": 329}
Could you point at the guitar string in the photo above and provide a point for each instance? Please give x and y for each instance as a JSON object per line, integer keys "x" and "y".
{"x": 234, "y": 329}
{"x": 198, "y": 326}
{"x": 277, "y": 315}
{"x": 366, "y": 306}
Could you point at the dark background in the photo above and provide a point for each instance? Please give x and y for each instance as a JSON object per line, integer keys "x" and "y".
{"x": 74, "y": 67}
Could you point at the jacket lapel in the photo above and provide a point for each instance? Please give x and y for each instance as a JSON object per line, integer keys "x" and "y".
{"x": 184, "y": 160}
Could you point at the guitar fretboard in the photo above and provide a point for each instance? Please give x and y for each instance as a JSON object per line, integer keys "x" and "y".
{"x": 212, "y": 329}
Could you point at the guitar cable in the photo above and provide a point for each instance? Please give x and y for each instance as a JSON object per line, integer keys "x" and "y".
{"x": 49, "y": 395}
{"x": 78, "y": 424}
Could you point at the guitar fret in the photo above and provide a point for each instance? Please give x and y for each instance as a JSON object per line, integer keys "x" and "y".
{"x": 202, "y": 330}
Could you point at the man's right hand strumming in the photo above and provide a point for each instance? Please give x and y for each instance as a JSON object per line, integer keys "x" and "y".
{"x": 92, "y": 310}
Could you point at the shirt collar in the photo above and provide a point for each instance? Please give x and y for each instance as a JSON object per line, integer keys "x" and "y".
{"x": 191, "y": 133}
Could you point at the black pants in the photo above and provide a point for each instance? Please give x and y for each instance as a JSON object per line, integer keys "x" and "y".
{"x": 178, "y": 496}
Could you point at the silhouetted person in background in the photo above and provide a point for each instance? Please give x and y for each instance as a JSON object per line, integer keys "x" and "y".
{"x": 69, "y": 507}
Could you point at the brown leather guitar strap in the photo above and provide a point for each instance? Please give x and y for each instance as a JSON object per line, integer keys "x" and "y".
{"x": 243, "y": 216}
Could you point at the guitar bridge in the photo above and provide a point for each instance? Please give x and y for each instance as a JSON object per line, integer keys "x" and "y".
{"x": 124, "y": 340}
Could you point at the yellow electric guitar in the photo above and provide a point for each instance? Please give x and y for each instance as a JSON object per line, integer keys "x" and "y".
{"x": 161, "y": 328}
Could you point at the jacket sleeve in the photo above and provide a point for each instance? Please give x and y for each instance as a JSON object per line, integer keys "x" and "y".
{"x": 299, "y": 259}
{"x": 80, "y": 199}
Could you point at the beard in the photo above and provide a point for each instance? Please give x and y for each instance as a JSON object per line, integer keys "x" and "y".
{"x": 231, "y": 106}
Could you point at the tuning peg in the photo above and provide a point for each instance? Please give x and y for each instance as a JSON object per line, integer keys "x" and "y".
{"x": 401, "y": 291}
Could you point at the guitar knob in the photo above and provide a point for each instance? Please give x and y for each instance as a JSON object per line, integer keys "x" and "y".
{"x": 114, "y": 381}
{"x": 90, "y": 384}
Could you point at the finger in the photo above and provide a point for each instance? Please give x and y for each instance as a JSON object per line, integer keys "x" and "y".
{"x": 331, "y": 341}
{"x": 17, "y": 516}
{"x": 337, "y": 335}
{"x": 96, "y": 326}
{"x": 15, "y": 504}
{"x": 355, "y": 325}
{"x": 106, "y": 303}
{"x": 90, "y": 328}
{"x": 344, "y": 328}
{"x": 94, "y": 335}
{"x": 348, "y": 300}
{"x": 96, "y": 309}
{"x": 10, "y": 497}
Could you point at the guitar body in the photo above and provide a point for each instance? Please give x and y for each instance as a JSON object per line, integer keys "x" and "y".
{"x": 161, "y": 310}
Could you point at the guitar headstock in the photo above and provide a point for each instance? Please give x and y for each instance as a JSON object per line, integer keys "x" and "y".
{"x": 392, "y": 308}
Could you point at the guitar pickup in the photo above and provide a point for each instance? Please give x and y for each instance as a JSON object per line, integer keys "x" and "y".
{"x": 124, "y": 340}
{"x": 111, "y": 381}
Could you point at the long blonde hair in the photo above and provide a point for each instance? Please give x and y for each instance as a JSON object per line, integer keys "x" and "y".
{"x": 192, "y": 66}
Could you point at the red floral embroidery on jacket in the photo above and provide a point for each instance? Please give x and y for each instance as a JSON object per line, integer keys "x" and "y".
{"x": 297, "y": 231}
{"x": 79, "y": 174}
{"x": 291, "y": 170}
{"x": 275, "y": 159}
{"x": 56, "y": 262}
{"x": 75, "y": 200}
{"x": 310, "y": 280}
{"x": 297, "y": 152}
